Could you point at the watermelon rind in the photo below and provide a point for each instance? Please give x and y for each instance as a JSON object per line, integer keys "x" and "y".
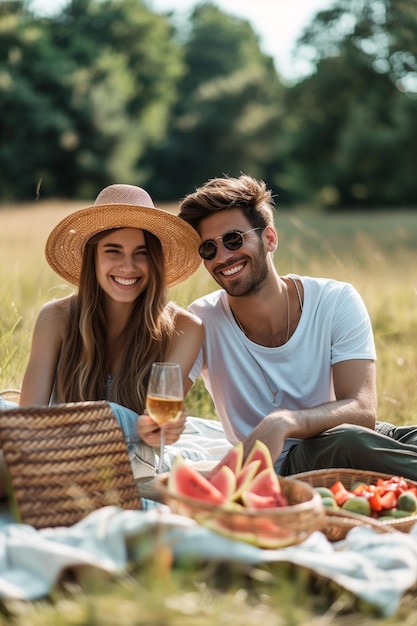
{"x": 281, "y": 538}
{"x": 216, "y": 526}
{"x": 261, "y": 452}
{"x": 233, "y": 459}
{"x": 245, "y": 478}
{"x": 225, "y": 481}
{"x": 247, "y": 473}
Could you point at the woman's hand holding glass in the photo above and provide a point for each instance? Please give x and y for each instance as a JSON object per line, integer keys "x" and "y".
{"x": 149, "y": 431}
{"x": 165, "y": 399}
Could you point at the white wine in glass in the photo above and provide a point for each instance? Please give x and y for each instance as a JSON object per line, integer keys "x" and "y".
{"x": 165, "y": 398}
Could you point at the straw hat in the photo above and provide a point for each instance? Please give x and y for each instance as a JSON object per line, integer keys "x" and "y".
{"x": 123, "y": 206}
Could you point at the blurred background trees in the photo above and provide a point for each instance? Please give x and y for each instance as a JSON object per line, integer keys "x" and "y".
{"x": 228, "y": 117}
{"x": 353, "y": 126}
{"x": 110, "y": 90}
{"x": 83, "y": 95}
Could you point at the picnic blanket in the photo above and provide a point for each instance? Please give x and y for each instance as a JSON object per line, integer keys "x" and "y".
{"x": 378, "y": 568}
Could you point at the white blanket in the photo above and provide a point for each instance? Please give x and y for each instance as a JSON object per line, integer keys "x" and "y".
{"x": 378, "y": 568}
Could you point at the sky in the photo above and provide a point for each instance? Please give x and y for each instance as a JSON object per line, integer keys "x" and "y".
{"x": 278, "y": 23}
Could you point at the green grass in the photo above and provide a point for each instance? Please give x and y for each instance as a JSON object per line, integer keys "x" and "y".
{"x": 375, "y": 252}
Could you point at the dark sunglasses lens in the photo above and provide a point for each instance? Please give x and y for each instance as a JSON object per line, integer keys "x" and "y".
{"x": 207, "y": 250}
{"x": 232, "y": 241}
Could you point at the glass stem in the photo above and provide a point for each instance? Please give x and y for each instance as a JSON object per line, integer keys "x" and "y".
{"x": 161, "y": 454}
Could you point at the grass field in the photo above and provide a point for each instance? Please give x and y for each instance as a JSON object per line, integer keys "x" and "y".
{"x": 377, "y": 253}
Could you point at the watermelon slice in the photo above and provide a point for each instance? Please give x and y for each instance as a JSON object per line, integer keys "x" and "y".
{"x": 225, "y": 481}
{"x": 260, "y": 451}
{"x": 245, "y": 477}
{"x": 233, "y": 459}
{"x": 184, "y": 480}
{"x": 266, "y": 483}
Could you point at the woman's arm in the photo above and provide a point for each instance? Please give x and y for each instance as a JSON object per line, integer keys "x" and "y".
{"x": 47, "y": 341}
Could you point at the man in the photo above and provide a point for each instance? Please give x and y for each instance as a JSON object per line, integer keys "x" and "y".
{"x": 288, "y": 360}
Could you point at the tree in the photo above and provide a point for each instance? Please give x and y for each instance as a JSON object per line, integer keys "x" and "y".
{"x": 32, "y": 100}
{"x": 89, "y": 90}
{"x": 128, "y": 68}
{"x": 227, "y": 118}
{"x": 350, "y": 138}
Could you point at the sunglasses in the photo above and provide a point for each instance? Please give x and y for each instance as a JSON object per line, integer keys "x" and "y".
{"x": 232, "y": 240}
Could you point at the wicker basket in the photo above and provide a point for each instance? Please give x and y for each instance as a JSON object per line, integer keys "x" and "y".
{"x": 65, "y": 461}
{"x": 267, "y": 528}
{"x": 338, "y": 523}
{"x": 327, "y": 477}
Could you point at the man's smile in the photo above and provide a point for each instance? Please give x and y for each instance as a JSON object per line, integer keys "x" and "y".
{"x": 232, "y": 270}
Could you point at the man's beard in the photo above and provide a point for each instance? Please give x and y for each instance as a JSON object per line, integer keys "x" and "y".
{"x": 251, "y": 285}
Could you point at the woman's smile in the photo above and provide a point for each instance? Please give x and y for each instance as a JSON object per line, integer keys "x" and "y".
{"x": 125, "y": 282}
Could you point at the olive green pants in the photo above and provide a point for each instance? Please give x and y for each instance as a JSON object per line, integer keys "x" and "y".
{"x": 388, "y": 449}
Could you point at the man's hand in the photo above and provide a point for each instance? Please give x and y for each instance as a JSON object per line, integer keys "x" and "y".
{"x": 273, "y": 430}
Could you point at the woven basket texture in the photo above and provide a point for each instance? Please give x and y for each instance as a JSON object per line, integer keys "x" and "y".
{"x": 338, "y": 523}
{"x": 268, "y": 528}
{"x": 65, "y": 461}
{"x": 348, "y": 477}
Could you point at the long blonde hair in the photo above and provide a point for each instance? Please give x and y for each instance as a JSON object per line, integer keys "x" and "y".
{"x": 81, "y": 371}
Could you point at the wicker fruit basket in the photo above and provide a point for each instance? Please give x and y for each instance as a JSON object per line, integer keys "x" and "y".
{"x": 348, "y": 477}
{"x": 338, "y": 523}
{"x": 267, "y": 528}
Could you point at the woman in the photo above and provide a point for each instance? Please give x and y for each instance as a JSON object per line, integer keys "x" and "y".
{"x": 100, "y": 343}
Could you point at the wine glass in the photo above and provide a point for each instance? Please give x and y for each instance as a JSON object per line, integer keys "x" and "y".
{"x": 165, "y": 398}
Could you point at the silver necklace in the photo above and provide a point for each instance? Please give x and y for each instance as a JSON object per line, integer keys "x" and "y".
{"x": 273, "y": 391}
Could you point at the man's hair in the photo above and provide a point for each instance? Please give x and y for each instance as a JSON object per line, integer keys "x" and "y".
{"x": 220, "y": 194}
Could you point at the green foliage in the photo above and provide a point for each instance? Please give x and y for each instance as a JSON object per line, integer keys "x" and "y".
{"x": 32, "y": 99}
{"x": 199, "y": 401}
{"x": 110, "y": 90}
{"x": 229, "y": 113}
{"x": 350, "y": 139}
{"x": 10, "y": 343}
{"x": 85, "y": 94}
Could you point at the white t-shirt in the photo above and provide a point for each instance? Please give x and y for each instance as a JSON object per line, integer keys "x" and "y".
{"x": 242, "y": 376}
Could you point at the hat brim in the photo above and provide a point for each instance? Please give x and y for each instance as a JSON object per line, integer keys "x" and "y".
{"x": 65, "y": 244}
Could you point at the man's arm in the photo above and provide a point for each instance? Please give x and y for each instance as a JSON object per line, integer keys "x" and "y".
{"x": 186, "y": 344}
{"x": 356, "y": 403}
